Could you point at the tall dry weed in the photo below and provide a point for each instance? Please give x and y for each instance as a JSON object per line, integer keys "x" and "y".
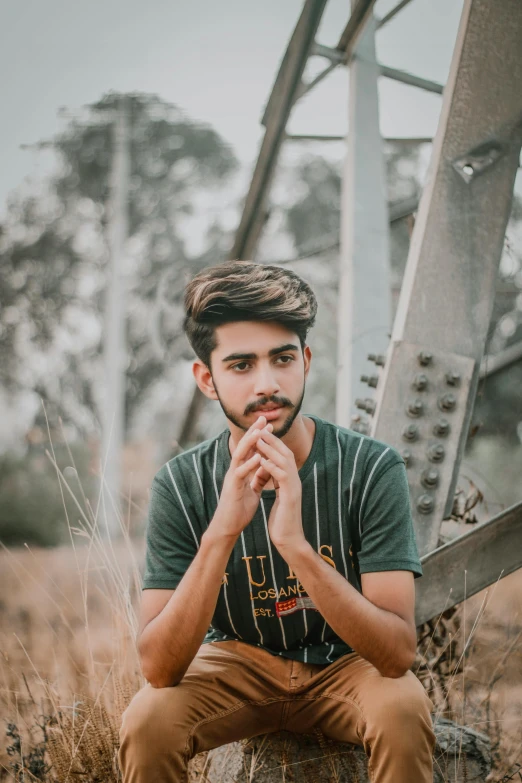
{"x": 69, "y": 664}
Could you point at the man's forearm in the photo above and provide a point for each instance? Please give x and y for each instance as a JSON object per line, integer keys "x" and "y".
{"x": 383, "y": 638}
{"x": 169, "y": 643}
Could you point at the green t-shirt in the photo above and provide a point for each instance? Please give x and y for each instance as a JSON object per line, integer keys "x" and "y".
{"x": 355, "y": 512}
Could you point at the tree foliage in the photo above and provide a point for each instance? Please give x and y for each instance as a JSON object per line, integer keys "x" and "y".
{"x": 53, "y": 254}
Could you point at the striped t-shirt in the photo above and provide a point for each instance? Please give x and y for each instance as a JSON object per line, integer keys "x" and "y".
{"x": 355, "y": 513}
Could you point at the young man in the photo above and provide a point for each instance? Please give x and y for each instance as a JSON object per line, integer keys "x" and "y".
{"x": 279, "y": 582}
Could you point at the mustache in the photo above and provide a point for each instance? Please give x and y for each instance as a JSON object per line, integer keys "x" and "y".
{"x": 282, "y": 401}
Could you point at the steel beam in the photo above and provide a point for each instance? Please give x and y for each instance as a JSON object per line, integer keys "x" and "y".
{"x": 362, "y": 12}
{"x": 388, "y": 140}
{"x": 287, "y": 89}
{"x": 494, "y": 363}
{"x": 409, "y": 78}
{"x": 426, "y": 392}
{"x": 364, "y": 305}
{"x": 389, "y": 16}
{"x": 334, "y": 55}
{"x": 336, "y": 58}
{"x": 276, "y": 117}
{"x": 468, "y": 564}
{"x": 312, "y": 137}
{"x": 306, "y": 87}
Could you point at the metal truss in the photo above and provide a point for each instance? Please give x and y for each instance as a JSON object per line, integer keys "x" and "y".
{"x": 426, "y": 392}
{"x": 427, "y": 381}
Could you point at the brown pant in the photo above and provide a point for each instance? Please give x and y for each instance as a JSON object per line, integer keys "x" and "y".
{"x": 233, "y": 690}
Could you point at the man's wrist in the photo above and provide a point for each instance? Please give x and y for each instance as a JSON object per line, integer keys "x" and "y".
{"x": 296, "y": 550}
{"x": 217, "y": 535}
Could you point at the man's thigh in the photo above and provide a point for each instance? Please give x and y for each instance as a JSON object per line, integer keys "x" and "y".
{"x": 230, "y": 691}
{"x": 349, "y": 699}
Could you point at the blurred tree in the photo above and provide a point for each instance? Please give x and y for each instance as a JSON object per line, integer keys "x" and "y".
{"x": 53, "y": 255}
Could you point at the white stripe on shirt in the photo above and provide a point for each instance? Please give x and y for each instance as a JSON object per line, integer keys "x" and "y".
{"x": 366, "y": 487}
{"x": 269, "y": 542}
{"x": 182, "y": 505}
{"x": 339, "y": 505}
{"x": 199, "y": 477}
{"x": 317, "y": 526}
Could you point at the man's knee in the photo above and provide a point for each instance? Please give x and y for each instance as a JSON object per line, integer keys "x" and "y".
{"x": 155, "y": 717}
{"x": 401, "y": 706}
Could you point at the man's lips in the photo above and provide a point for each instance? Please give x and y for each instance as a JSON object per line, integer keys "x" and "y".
{"x": 269, "y": 413}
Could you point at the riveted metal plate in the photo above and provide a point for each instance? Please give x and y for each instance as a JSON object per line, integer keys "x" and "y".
{"x": 426, "y": 424}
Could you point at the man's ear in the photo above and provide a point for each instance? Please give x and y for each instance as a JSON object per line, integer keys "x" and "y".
{"x": 204, "y": 380}
{"x": 307, "y": 356}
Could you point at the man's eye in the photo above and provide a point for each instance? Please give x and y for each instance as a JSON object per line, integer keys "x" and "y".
{"x": 237, "y": 366}
{"x": 290, "y": 359}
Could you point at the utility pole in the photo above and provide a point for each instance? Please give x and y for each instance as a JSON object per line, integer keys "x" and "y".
{"x": 114, "y": 343}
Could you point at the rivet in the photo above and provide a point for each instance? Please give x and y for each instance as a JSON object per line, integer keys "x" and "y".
{"x": 367, "y": 404}
{"x": 447, "y": 402}
{"x": 425, "y": 358}
{"x": 358, "y": 424}
{"x": 441, "y": 427}
{"x": 420, "y": 381}
{"x": 452, "y": 378}
{"x": 407, "y": 457}
{"x": 415, "y": 407}
{"x": 425, "y": 504}
{"x": 430, "y": 478}
{"x": 436, "y": 452}
{"x": 410, "y": 432}
{"x": 377, "y": 358}
{"x": 371, "y": 380}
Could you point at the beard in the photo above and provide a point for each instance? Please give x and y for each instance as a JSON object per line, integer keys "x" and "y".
{"x": 283, "y": 401}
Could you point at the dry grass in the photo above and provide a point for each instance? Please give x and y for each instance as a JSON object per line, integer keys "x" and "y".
{"x": 68, "y": 663}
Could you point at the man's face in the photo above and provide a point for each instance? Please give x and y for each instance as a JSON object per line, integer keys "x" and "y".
{"x": 258, "y": 366}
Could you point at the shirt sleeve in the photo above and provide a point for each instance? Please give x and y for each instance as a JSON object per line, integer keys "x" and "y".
{"x": 386, "y": 525}
{"x": 171, "y": 541}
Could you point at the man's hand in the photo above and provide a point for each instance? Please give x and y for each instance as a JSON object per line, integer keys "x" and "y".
{"x": 285, "y": 522}
{"x": 240, "y": 495}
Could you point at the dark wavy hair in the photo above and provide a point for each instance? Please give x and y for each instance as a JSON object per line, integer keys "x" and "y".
{"x": 245, "y": 291}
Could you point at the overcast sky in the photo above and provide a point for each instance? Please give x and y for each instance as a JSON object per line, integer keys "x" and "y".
{"x": 217, "y": 61}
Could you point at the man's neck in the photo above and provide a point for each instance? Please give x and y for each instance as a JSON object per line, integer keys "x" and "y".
{"x": 299, "y": 438}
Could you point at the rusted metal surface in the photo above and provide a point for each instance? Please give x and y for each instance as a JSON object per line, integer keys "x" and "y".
{"x": 468, "y": 564}
{"x": 424, "y": 413}
{"x": 449, "y": 284}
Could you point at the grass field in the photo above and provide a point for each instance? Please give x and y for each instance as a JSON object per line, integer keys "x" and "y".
{"x": 68, "y": 664}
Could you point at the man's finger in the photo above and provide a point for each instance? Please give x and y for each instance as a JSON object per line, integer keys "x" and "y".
{"x": 278, "y": 474}
{"x": 271, "y": 453}
{"x": 247, "y": 442}
{"x": 278, "y": 444}
{"x": 260, "y": 479}
{"x": 247, "y": 466}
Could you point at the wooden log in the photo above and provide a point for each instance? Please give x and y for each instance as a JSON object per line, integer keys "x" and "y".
{"x": 461, "y": 754}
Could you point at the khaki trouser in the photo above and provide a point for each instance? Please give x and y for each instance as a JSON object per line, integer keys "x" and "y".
{"x": 233, "y": 690}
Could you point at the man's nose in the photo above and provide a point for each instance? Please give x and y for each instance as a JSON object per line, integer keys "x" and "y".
{"x": 266, "y": 382}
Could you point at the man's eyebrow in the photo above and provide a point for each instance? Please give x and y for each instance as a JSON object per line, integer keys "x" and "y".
{"x": 271, "y": 352}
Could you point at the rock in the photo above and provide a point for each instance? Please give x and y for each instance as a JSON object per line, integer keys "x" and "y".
{"x": 461, "y": 754}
